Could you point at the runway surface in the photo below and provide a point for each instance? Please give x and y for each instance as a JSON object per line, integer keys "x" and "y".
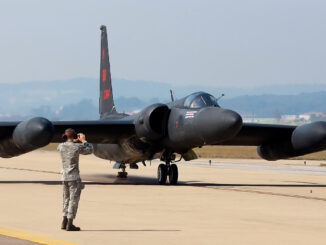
{"x": 5, "y": 240}
{"x": 228, "y": 202}
{"x": 255, "y": 165}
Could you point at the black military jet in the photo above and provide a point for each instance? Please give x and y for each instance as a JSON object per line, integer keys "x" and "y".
{"x": 162, "y": 130}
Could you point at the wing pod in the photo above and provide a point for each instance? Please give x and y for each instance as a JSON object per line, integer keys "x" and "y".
{"x": 310, "y": 137}
{"x": 305, "y": 139}
{"x": 27, "y": 136}
{"x": 151, "y": 124}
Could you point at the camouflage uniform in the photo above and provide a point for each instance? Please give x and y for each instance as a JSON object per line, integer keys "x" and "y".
{"x": 72, "y": 184}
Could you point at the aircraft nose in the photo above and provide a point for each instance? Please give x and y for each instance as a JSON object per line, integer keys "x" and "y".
{"x": 217, "y": 124}
{"x": 232, "y": 120}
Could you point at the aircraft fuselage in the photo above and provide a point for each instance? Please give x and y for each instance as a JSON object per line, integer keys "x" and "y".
{"x": 181, "y": 130}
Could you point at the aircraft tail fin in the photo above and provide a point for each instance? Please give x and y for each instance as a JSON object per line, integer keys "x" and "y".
{"x": 106, "y": 102}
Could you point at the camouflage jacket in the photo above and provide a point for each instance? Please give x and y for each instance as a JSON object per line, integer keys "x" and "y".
{"x": 70, "y": 158}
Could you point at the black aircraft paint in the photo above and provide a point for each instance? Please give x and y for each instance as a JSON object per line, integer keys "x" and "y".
{"x": 106, "y": 105}
{"x": 161, "y": 130}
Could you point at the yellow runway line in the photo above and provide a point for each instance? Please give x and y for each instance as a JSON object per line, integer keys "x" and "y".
{"x": 32, "y": 237}
{"x": 25, "y": 238}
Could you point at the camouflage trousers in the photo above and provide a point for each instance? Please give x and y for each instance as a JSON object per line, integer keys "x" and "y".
{"x": 71, "y": 196}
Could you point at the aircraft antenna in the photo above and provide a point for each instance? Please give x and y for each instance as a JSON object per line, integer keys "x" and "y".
{"x": 221, "y": 96}
{"x": 171, "y": 93}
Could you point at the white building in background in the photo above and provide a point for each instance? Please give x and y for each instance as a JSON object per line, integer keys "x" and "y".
{"x": 257, "y": 119}
{"x": 305, "y": 117}
{"x": 289, "y": 117}
{"x": 316, "y": 114}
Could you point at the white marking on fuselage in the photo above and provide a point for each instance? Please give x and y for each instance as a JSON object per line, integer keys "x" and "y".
{"x": 190, "y": 114}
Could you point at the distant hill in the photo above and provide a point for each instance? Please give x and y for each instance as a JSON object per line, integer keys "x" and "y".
{"x": 78, "y": 98}
{"x": 266, "y": 105}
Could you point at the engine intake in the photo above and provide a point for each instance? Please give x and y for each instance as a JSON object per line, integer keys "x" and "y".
{"x": 28, "y": 136}
{"x": 151, "y": 124}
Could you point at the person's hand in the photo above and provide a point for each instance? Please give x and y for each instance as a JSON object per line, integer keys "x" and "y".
{"x": 81, "y": 137}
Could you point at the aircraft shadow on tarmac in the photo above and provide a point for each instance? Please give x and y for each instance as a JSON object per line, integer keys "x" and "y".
{"x": 109, "y": 179}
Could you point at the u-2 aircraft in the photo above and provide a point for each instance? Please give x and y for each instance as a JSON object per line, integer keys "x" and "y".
{"x": 162, "y": 130}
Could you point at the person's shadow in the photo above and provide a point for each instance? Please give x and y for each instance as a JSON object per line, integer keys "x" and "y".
{"x": 136, "y": 230}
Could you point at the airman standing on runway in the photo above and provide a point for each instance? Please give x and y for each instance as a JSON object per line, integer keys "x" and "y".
{"x": 72, "y": 185}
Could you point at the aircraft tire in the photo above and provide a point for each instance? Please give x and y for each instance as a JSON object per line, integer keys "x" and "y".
{"x": 162, "y": 173}
{"x": 173, "y": 174}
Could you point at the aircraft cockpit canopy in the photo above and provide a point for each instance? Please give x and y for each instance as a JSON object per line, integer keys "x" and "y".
{"x": 199, "y": 100}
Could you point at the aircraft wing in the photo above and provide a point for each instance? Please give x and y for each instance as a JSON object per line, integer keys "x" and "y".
{"x": 17, "y": 138}
{"x": 7, "y": 128}
{"x": 253, "y": 134}
{"x": 101, "y": 131}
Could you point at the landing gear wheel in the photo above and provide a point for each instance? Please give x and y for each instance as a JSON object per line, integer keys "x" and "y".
{"x": 173, "y": 174}
{"x": 122, "y": 175}
{"x": 162, "y": 173}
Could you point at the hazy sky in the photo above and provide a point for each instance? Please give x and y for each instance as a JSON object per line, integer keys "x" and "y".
{"x": 229, "y": 42}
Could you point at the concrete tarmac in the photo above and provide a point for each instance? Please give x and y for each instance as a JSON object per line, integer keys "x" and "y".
{"x": 230, "y": 202}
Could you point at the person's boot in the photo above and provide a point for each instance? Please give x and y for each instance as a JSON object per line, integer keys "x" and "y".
{"x": 64, "y": 223}
{"x": 71, "y": 227}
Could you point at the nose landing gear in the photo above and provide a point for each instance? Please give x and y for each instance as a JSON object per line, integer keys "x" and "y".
{"x": 122, "y": 174}
{"x": 167, "y": 170}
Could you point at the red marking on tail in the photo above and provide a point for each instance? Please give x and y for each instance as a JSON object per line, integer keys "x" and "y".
{"x": 103, "y": 75}
{"x": 107, "y": 94}
{"x": 176, "y": 124}
{"x": 103, "y": 54}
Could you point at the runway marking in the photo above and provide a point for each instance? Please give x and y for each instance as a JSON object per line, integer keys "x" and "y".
{"x": 267, "y": 193}
{"x": 31, "y": 170}
{"x": 32, "y": 237}
{"x": 22, "y": 238}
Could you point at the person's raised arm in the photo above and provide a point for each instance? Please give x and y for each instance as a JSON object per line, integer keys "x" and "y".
{"x": 59, "y": 147}
{"x": 85, "y": 148}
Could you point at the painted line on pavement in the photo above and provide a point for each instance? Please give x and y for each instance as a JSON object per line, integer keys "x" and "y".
{"x": 32, "y": 237}
{"x": 266, "y": 193}
{"x": 31, "y": 170}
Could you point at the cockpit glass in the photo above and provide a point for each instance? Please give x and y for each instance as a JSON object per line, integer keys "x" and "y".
{"x": 200, "y": 100}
